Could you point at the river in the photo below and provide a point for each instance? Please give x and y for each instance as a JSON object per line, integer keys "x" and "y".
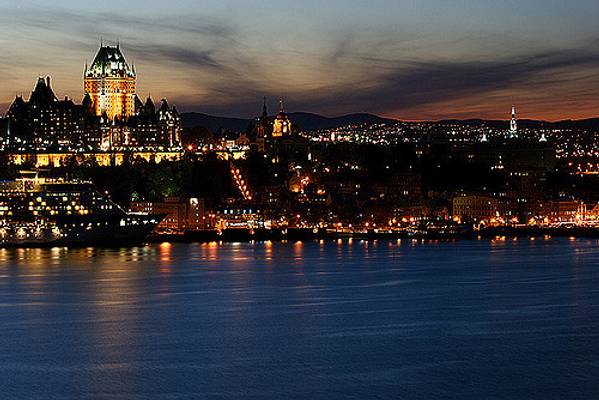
{"x": 515, "y": 319}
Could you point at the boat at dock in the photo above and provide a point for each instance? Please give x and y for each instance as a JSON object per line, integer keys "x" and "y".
{"x": 39, "y": 211}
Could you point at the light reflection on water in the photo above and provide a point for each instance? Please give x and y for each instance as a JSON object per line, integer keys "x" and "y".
{"x": 362, "y": 319}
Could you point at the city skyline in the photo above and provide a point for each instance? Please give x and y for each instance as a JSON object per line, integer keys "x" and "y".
{"x": 403, "y": 60}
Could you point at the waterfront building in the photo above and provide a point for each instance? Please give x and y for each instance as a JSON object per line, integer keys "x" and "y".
{"x": 476, "y": 207}
{"x": 567, "y": 211}
{"x": 241, "y": 217}
{"x": 181, "y": 214}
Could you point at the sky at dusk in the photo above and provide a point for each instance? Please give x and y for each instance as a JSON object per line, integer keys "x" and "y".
{"x": 417, "y": 59}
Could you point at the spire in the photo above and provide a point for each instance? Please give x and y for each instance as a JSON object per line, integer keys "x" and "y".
{"x": 264, "y": 110}
{"x": 281, "y": 105}
{"x": 513, "y": 124}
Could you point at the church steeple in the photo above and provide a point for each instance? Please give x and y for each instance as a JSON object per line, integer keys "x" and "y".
{"x": 264, "y": 109}
{"x": 513, "y": 124}
{"x": 281, "y": 124}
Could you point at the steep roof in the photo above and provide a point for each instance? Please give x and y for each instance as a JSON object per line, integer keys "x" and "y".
{"x": 110, "y": 62}
{"x": 42, "y": 93}
{"x": 150, "y": 108}
{"x": 18, "y": 107}
{"x": 139, "y": 105}
{"x": 164, "y": 108}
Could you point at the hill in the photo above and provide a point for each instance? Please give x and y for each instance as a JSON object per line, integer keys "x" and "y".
{"x": 306, "y": 121}
{"x": 309, "y": 122}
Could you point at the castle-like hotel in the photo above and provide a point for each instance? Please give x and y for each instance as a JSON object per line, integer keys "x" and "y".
{"x": 111, "y": 116}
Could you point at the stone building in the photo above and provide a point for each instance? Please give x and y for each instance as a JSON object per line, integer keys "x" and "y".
{"x": 110, "y": 117}
{"x": 110, "y": 83}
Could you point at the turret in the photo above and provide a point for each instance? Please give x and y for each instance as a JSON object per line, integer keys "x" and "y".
{"x": 264, "y": 109}
{"x": 150, "y": 107}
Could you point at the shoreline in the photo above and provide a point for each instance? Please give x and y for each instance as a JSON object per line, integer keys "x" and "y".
{"x": 309, "y": 235}
{"x": 277, "y": 235}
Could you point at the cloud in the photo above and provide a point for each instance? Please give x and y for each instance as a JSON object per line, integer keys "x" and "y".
{"x": 435, "y": 89}
{"x": 213, "y": 64}
{"x": 91, "y": 24}
{"x": 193, "y": 58}
{"x": 411, "y": 85}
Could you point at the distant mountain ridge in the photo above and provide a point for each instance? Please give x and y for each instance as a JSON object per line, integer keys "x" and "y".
{"x": 306, "y": 121}
{"x": 214, "y": 123}
{"x": 311, "y": 121}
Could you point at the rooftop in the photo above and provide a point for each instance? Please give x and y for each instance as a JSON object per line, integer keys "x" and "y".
{"x": 110, "y": 62}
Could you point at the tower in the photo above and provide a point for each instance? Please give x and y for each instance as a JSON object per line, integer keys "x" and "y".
{"x": 263, "y": 128}
{"x": 282, "y": 124}
{"x": 169, "y": 124}
{"x": 513, "y": 124}
{"x": 110, "y": 83}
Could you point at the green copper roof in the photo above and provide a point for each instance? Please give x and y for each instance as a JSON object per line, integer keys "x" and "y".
{"x": 110, "y": 62}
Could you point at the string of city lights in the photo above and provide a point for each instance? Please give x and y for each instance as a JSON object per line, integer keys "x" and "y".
{"x": 240, "y": 182}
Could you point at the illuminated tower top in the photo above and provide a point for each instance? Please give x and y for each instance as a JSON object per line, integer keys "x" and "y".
{"x": 110, "y": 83}
{"x": 281, "y": 124}
{"x": 513, "y": 124}
{"x": 110, "y": 63}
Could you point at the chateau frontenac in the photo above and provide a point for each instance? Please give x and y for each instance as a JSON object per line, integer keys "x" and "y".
{"x": 110, "y": 117}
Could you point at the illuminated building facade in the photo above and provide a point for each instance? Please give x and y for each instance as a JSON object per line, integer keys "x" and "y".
{"x": 111, "y": 117}
{"x": 181, "y": 214}
{"x": 110, "y": 83}
{"x": 169, "y": 125}
{"x": 281, "y": 125}
{"x": 476, "y": 207}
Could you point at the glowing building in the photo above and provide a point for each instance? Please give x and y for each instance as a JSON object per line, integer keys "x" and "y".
{"x": 110, "y": 83}
{"x": 282, "y": 124}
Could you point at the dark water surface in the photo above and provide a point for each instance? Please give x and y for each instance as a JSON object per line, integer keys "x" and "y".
{"x": 362, "y": 320}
